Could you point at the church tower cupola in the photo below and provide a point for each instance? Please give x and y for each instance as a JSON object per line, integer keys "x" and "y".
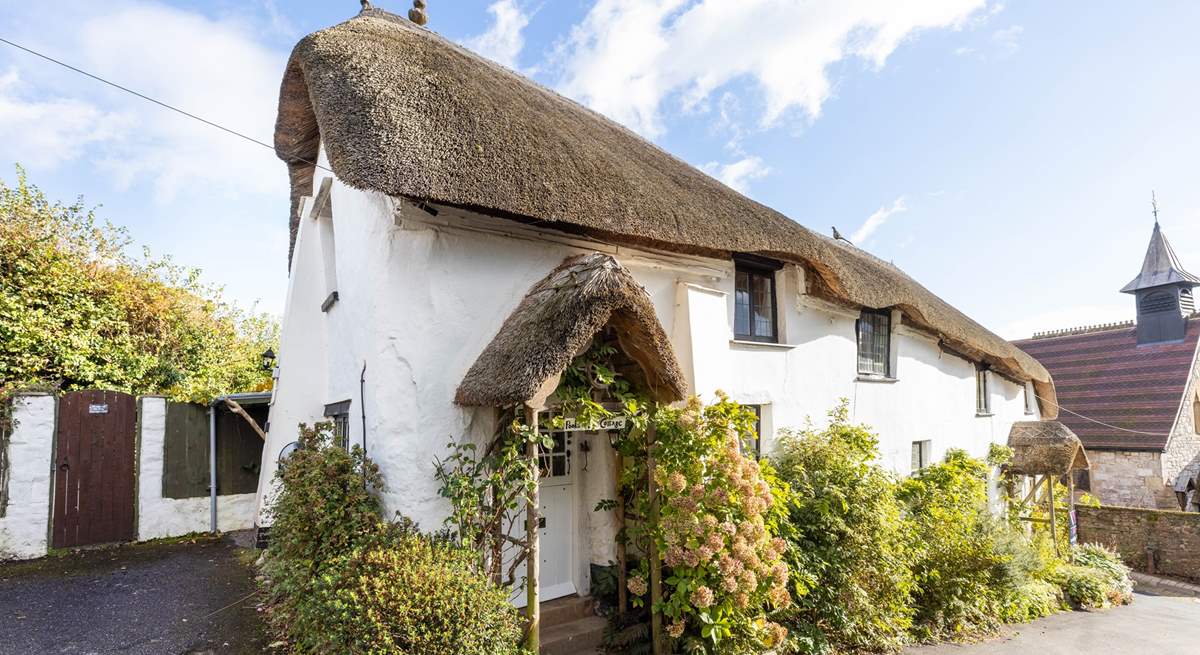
{"x": 1163, "y": 291}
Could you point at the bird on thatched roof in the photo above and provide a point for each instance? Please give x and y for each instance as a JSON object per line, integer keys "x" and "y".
{"x": 838, "y": 236}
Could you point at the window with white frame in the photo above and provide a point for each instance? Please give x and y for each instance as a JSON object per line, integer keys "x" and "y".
{"x": 1031, "y": 406}
{"x": 922, "y": 451}
{"x": 983, "y": 392}
{"x": 874, "y": 328}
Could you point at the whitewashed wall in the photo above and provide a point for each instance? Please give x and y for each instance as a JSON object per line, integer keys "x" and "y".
{"x": 24, "y": 529}
{"x": 159, "y": 517}
{"x": 421, "y": 296}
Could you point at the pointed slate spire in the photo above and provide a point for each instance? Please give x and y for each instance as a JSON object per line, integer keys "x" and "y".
{"x": 1161, "y": 266}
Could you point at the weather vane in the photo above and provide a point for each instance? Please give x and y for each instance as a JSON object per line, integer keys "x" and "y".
{"x": 1154, "y": 206}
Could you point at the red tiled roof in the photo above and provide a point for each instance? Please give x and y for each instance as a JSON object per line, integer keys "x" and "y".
{"x": 1106, "y": 376}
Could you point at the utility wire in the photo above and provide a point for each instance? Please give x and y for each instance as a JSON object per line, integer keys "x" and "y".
{"x": 157, "y": 102}
{"x": 1107, "y": 425}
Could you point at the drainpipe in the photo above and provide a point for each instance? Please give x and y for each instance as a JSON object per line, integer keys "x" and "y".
{"x": 212, "y": 465}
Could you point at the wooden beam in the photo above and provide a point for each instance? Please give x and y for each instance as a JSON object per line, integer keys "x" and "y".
{"x": 533, "y": 610}
{"x": 622, "y": 556}
{"x": 656, "y": 622}
{"x": 1053, "y": 525}
{"x": 237, "y": 409}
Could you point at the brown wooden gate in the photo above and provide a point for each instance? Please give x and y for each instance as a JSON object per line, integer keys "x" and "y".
{"x": 94, "y": 480}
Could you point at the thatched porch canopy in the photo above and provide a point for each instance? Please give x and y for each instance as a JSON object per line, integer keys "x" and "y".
{"x": 557, "y": 320}
{"x": 403, "y": 111}
{"x": 1045, "y": 448}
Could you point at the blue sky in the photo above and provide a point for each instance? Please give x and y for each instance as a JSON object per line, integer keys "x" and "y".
{"x": 1001, "y": 154}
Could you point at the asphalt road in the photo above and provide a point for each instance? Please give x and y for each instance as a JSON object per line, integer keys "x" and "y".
{"x": 151, "y": 599}
{"x": 1152, "y": 625}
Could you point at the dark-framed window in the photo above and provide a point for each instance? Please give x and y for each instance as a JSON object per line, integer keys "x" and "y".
{"x": 339, "y": 414}
{"x": 754, "y": 304}
{"x": 922, "y": 452}
{"x": 874, "y": 328}
{"x": 983, "y": 392}
{"x": 756, "y": 444}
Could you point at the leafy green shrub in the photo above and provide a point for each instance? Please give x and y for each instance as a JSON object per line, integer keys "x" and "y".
{"x": 1085, "y": 587}
{"x": 1118, "y": 589}
{"x": 1032, "y": 600}
{"x": 338, "y": 579}
{"x": 849, "y": 545}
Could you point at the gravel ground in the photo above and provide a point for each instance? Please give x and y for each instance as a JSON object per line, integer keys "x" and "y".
{"x": 154, "y": 599}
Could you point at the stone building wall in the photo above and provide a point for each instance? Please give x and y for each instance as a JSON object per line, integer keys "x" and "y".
{"x": 1130, "y": 478}
{"x": 1182, "y": 457}
{"x": 1173, "y": 537}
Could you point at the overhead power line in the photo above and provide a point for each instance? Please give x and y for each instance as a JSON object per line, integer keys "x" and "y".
{"x": 155, "y": 101}
{"x": 1107, "y": 425}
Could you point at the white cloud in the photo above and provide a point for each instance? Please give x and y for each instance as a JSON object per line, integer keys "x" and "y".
{"x": 737, "y": 175}
{"x": 876, "y": 220}
{"x": 46, "y": 133}
{"x": 213, "y": 68}
{"x": 627, "y": 56}
{"x": 503, "y": 41}
{"x": 1008, "y": 40}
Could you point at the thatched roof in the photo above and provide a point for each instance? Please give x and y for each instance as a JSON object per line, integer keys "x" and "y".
{"x": 557, "y": 320}
{"x": 1045, "y": 448}
{"x": 403, "y": 111}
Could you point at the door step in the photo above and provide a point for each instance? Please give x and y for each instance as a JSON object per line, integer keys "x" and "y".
{"x": 570, "y": 626}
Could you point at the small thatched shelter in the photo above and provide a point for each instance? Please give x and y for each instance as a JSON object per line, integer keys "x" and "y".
{"x": 1045, "y": 448}
{"x": 557, "y": 320}
{"x": 403, "y": 111}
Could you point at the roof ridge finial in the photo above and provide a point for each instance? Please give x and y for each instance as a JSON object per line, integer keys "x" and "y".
{"x": 417, "y": 13}
{"x": 1154, "y": 206}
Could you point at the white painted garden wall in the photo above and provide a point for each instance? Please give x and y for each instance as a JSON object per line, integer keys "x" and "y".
{"x": 25, "y": 527}
{"x": 421, "y": 296}
{"x": 159, "y": 517}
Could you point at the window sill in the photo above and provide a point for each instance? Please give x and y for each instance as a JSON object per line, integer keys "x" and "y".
{"x": 762, "y": 344}
{"x": 877, "y": 379}
{"x": 984, "y": 414}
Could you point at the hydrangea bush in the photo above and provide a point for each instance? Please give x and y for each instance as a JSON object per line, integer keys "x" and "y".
{"x": 723, "y": 570}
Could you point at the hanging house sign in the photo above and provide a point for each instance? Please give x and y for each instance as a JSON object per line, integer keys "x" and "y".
{"x": 611, "y": 423}
{"x": 98, "y": 409}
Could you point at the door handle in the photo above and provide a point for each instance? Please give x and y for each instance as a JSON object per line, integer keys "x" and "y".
{"x": 541, "y": 522}
{"x": 64, "y": 465}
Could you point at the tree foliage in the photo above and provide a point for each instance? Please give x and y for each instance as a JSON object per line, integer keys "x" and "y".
{"x": 77, "y": 311}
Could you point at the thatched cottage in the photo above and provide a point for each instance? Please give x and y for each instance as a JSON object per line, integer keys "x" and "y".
{"x": 459, "y": 233}
{"x": 1131, "y": 391}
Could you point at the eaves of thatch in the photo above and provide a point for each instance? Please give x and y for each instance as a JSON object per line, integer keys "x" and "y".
{"x": 556, "y": 321}
{"x": 1045, "y": 448}
{"x": 405, "y": 112}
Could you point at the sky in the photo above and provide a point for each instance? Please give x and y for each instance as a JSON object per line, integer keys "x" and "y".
{"x": 1003, "y": 154}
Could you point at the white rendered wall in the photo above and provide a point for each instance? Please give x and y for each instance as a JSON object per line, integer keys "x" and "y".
{"x": 421, "y": 297}
{"x": 159, "y": 517}
{"x": 24, "y": 529}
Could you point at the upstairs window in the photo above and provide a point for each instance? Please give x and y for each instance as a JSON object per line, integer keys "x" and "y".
{"x": 754, "y": 306}
{"x": 1031, "y": 406}
{"x": 983, "y": 394}
{"x": 874, "y": 329}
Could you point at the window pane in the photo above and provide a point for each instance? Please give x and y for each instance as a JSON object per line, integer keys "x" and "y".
{"x": 741, "y": 305}
{"x": 764, "y": 308}
{"x": 873, "y": 343}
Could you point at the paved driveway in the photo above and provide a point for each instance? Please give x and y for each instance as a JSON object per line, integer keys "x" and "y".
{"x": 1152, "y": 625}
{"x": 154, "y": 599}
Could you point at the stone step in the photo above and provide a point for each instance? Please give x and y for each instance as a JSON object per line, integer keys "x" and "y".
{"x": 565, "y": 610}
{"x": 573, "y": 638}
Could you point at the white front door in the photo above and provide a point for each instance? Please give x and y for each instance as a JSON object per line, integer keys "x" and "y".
{"x": 556, "y": 540}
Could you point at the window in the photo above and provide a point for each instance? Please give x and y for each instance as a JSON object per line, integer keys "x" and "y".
{"x": 983, "y": 396}
{"x": 754, "y": 300}
{"x": 922, "y": 451}
{"x": 1187, "y": 302}
{"x": 339, "y": 414}
{"x": 1031, "y": 406}
{"x": 1196, "y": 412}
{"x": 874, "y": 329}
{"x": 757, "y": 444}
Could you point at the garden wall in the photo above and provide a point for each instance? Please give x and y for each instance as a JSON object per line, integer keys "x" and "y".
{"x": 1173, "y": 537}
{"x": 25, "y": 516}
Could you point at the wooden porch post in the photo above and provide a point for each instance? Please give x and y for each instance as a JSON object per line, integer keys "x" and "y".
{"x": 656, "y": 623}
{"x": 1053, "y": 525}
{"x": 622, "y": 556}
{"x": 532, "y": 555}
